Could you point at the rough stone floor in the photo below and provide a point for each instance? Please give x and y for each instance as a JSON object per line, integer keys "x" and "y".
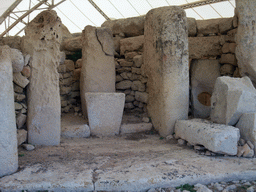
{"x": 136, "y": 162}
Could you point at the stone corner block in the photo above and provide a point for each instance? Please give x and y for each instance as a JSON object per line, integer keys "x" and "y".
{"x": 105, "y": 111}
{"x": 218, "y": 138}
{"x": 231, "y": 98}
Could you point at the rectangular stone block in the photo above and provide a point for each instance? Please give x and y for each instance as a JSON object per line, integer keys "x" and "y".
{"x": 231, "y": 98}
{"x": 247, "y": 127}
{"x": 131, "y": 44}
{"x": 200, "y": 47}
{"x": 166, "y": 66}
{"x": 105, "y": 111}
{"x": 215, "y": 137}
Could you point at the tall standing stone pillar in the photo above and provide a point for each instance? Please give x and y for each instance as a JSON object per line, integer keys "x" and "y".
{"x": 166, "y": 65}
{"x": 98, "y": 66}
{"x": 8, "y": 132}
{"x": 42, "y": 42}
{"x": 246, "y": 38}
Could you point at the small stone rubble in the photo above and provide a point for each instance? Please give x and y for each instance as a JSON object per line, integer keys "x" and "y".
{"x": 233, "y": 186}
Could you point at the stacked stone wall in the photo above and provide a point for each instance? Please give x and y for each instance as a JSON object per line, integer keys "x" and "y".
{"x": 208, "y": 40}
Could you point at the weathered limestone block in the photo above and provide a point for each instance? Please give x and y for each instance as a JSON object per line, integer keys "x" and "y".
{"x": 166, "y": 66}
{"x": 20, "y": 80}
{"x": 247, "y": 127}
{"x": 17, "y": 60}
{"x": 98, "y": 66}
{"x": 8, "y": 134}
{"x": 42, "y": 41}
{"x": 208, "y": 26}
{"x": 192, "y": 27}
{"x": 200, "y": 47}
{"x": 225, "y": 24}
{"x": 227, "y": 70}
{"x": 133, "y": 26}
{"x": 138, "y": 60}
{"x": 105, "y": 111}
{"x": 231, "y": 98}
{"x": 203, "y": 76}
{"x": 13, "y": 42}
{"x": 135, "y": 127}
{"x": 72, "y": 44}
{"x": 229, "y": 59}
{"x": 229, "y": 48}
{"x": 22, "y": 135}
{"x": 131, "y": 44}
{"x": 215, "y": 137}
{"x": 245, "y": 38}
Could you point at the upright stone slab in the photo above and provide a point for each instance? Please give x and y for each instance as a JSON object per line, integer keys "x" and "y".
{"x": 245, "y": 38}
{"x": 231, "y": 98}
{"x": 42, "y": 42}
{"x": 105, "y": 112}
{"x": 215, "y": 137}
{"x": 98, "y": 66}
{"x": 8, "y": 132}
{"x": 166, "y": 65}
{"x": 203, "y": 76}
{"x": 247, "y": 127}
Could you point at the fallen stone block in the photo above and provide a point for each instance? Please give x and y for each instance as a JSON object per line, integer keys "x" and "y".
{"x": 247, "y": 127}
{"x": 135, "y": 127}
{"x": 72, "y": 44}
{"x": 231, "y": 98}
{"x": 105, "y": 111}
{"x": 215, "y": 137}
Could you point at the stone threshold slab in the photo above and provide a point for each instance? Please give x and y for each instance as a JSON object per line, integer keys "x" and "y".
{"x": 135, "y": 162}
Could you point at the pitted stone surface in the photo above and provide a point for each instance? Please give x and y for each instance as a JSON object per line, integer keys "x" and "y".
{"x": 245, "y": 38}
{"x": 166, "y": 66}
{"x": 42, "y": 42}
{"x": 215, "y": 137}
{"x": 98, "y": 66}
{"x": 105, "y": 111}
{"x": 231, "y": 98}
{"x": 8, "y": 134}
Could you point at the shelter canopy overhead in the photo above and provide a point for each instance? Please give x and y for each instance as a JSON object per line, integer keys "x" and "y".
{"x": 76, "y": 14}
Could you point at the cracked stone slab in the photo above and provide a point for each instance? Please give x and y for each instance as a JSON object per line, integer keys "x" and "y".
{"x": 55, "y": 177}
